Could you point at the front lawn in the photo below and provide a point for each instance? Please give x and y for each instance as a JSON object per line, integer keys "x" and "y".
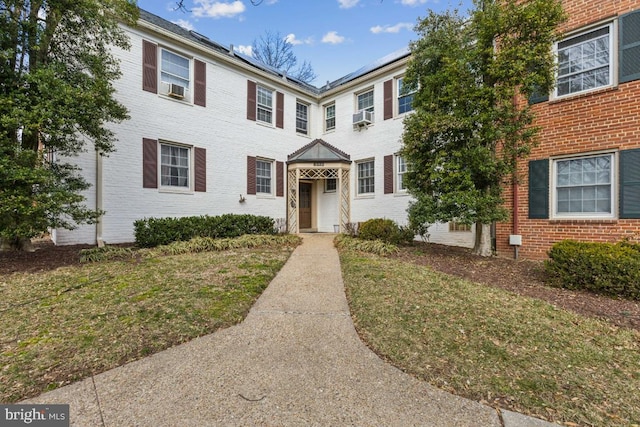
{"x": 64, "y": 325}
{"x": 495, "y": 346}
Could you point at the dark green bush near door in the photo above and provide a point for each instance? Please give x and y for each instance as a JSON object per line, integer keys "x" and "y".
{"x": 384, "y": 229}
{"x": 150, "y": 232}
{"x": 605, "y": 268}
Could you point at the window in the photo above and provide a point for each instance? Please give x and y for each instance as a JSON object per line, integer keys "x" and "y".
{"x": 585, "y": 62}
{"x": 174, "y": 166}
{"x": 175, "y": 69}
{"x": 330, "y": 117}
{"x": 366, "y": 174}
{"x": 405, "y": 98}
{"x": 330, "y": 185}
{"x": 456, "y": 226}
{"x": 365, "y": 101}
{"x": 401, "y": 169}
{"x": 584, "y": 186}
{"x": 263, "y": 176}
{"x": 265, "y": 105}
{"x": 302, "y": 118}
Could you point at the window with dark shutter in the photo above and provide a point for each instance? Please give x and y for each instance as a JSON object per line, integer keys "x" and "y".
{"x": 629, "y": 67}
{"x": 251, "y": 175}
{"x": 200, "y": 172}
{"x": 279, "y": 179}
{"x": 279, "y": 110}
{"x": 388, "y": 174}
{"x": 200, "y": 83}
{"x": 539, "y": 189}
{"x": 149, "y": 67}
{"x": 630, "y": 184}
{"x": 251, "y": 100}
{"x": 388, "y": 99}
{"x": 149, "y": 163}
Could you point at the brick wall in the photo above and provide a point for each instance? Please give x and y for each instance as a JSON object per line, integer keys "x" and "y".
{"x": 607, "y": 119}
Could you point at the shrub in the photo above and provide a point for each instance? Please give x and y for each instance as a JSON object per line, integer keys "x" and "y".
{"x": 386, "y": 230}
{"x": 606, "y": 268}
{"x": 150, "y": 232}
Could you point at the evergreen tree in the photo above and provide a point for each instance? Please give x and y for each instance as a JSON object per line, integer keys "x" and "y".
{"x": 469, "y": 129}
{"x": 56, "y": 98}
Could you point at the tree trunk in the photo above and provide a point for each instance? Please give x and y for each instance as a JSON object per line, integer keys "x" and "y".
{"x": 16, "y": 244}
{"x": 482, "y": 245}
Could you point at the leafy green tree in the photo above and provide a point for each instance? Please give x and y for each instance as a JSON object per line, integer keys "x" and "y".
{"x": 468, "y": 129}
{"x": 56, "y": 98}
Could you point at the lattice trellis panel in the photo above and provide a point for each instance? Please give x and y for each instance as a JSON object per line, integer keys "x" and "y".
{"x": 318, "y": 173}
{"x": 345, "y": 205}
{"x": 292, "y": 203}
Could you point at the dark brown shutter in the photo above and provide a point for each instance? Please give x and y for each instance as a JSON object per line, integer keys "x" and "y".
{"x": 149, "y": 163}
{"x": 279, "y": 110}
{"x": 200, "y": 162}
{"x": 388, "y": 174}
{"x": 388, "y": 99}
{"x": 149, "y": 67}
{"x": 279, "y": 179}
{"x": 200, "y": 83}
{"x": 251, "y": 175}
{"x": 251, "y": 100}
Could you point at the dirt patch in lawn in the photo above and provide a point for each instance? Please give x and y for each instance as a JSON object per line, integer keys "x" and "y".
{"x": 522, "y": 277}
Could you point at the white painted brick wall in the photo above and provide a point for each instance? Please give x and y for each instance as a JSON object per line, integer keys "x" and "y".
{"x": 223, "y": 130}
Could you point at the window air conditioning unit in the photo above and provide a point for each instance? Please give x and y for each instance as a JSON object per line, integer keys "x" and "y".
{"x": 362, "y": 118}
{"x": 176, "y": 91}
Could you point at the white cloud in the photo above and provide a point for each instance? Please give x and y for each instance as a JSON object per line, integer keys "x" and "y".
{"x": 347, "y": 4}
{"x": 246, "y": 50}
{"x": 291, "y": 38}
{"x": 332, "y": 37}
{"x": 184, "y": 24}
{"x": 412, "y": 2}
{"x": 391, "y": 28}
{"x": 217, "y": 9}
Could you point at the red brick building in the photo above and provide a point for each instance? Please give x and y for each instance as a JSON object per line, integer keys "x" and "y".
{"x": 582, "y": 181}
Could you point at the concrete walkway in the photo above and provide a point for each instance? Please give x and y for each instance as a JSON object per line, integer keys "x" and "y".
{"x": 296, "y": 360}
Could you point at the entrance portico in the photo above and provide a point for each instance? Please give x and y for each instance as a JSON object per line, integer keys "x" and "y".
{"x": 317, "y": 163}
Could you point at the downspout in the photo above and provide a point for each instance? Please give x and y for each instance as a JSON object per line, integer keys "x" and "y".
{"x": 515, "y": 214}
{"x": 99, "y": 205}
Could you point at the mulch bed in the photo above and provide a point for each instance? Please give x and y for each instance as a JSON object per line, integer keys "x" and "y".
{"x": 521, "y": 277}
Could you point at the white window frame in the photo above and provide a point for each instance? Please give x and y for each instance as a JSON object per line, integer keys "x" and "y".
{"x": 613, "y": 58}
{"x": 300, "y": 120}
{"x": 328, "y": 118}
{"x": 269, "y": 177}
{"x": 360, "y": 105}
{"x": 326, "y": 185}
{"x": 263, "y": 94}
{"x": 400, "y": 96}
{"x": 168, "y": 78}
{"x": 613, "y": 186}
{"x": 371, "y": 176}
{"x": 400, "y": 169}
{"x": 189, "y": 166}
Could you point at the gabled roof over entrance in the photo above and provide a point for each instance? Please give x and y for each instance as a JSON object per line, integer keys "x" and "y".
{"x": 318, "y": 151}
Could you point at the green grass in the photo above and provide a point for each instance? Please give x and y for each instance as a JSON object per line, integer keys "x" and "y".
{"x": 62, "y": 326}
{"x": 494, "y": 346}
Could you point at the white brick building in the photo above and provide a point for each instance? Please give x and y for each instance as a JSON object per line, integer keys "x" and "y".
{"x": 213, "y": 132}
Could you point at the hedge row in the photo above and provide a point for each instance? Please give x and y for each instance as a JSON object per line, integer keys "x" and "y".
{"x": 605, "y": 268}
{"x": 150, "y": 232}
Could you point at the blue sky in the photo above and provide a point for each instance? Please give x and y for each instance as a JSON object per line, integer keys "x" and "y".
{"x": 336, "y": 36}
